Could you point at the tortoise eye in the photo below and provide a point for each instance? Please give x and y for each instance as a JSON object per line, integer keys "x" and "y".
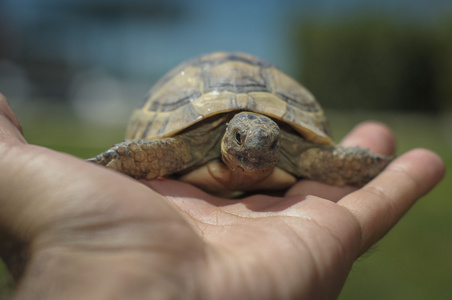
{"x": 274, "y": 145}
{"x": 238, "y": 137}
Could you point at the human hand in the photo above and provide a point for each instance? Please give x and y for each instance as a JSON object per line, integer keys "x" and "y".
{"x": 74, "y": 230}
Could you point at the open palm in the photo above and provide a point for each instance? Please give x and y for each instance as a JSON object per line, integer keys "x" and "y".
{"x": 71, "y": 229}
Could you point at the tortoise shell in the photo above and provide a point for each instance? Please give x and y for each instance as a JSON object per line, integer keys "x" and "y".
{"x": 224, "y": 82}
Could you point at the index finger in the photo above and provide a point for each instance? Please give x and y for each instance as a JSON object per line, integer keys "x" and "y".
{"x": 379, "y": 205}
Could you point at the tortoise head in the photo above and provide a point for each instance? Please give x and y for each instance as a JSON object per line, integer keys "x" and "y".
{"x": 251, "y": 143}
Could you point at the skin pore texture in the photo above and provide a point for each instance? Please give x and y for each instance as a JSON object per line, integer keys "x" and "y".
{"x": 70, "y": 229}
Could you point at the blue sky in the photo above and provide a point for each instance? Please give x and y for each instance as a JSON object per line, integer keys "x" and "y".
{"x": 263, "y": 28}
{"x": 118, "y": 57}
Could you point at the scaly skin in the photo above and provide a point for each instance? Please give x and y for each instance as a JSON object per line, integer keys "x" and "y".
{"x": 150, "y": 159}
{"x": 337, "y": 165}
{"x": 147, "y": 158}
{"x": 251, "y": 147}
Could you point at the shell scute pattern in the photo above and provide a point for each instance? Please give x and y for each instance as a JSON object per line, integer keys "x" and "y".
{"x": 223, "y": 82}
{"x": 242, "y": 78}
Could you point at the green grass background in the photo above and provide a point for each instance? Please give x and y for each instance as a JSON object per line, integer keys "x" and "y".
{"x": 414, "y": 261}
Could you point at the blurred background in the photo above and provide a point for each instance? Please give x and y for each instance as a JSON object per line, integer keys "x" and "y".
{"x": 73, "y": 70}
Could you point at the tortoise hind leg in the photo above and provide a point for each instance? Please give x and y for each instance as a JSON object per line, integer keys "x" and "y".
{"x": 147, "y": 158}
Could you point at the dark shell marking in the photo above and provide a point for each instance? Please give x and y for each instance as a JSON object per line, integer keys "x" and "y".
{"x": 224, "y": 82}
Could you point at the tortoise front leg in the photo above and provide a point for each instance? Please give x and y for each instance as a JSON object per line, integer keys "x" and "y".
{"x": 147, "y": 158}
{"x": 333, "y": 164}
{"x": 341, "y": 166}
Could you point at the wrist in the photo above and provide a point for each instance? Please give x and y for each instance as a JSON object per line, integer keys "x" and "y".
{"x": 72, "y": 274}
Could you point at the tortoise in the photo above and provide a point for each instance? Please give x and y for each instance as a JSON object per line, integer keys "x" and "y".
{"x": 233, "y": 122}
